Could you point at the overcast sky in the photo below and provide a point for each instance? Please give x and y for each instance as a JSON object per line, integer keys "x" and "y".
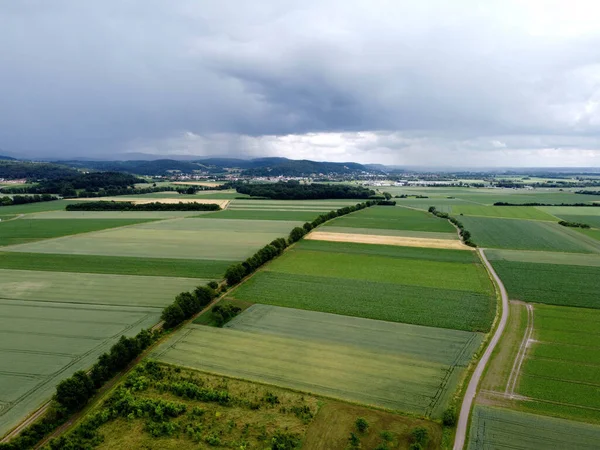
{"x": 463, "y": 83}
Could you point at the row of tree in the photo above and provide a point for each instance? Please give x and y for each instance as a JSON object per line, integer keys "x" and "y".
{"x": 465, "y": 235}
{"x": 24, "y": 199}
{"x": 235, "y": 273}
{"x": 546, "y": 204}
{"x": 566, "y": 223}
{"x": 131, "y": 206}
{"x": 187, "y": 304}
{"x": 293, "y": 190}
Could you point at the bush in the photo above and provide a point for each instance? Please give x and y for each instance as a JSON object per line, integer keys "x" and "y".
{"x": 213, "y": 285}
{"x": 449, "y": 417}
{"x": 234, "y": 274}
{"x": 224, "y": 313}
{"x": 361, "y": 424}
{"x": 420, "y": 435}
{"x": 74, "y": 392}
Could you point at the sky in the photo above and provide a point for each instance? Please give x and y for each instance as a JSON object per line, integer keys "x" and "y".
{"x": 466, "y": 83}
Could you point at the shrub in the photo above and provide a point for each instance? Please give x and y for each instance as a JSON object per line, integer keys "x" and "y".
{"x": 234, "y": 274}
{"x": 449, "y": 417}
{"x": 361, "y": 424}
{"x": 420, "y": 435}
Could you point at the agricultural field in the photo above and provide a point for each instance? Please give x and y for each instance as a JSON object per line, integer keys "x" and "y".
{"x": 494, "y": 428}
{"x": 593, "y": 233}
{"x": 113, "y": 214}
{"x": 23, "y": 230}
{"x": 230, "y": 413}
{"x": 408, "y": 289}
{"x": 575, "y": 259}
{"x": 508, "y": 212}
{"x": 29, "y": 208}
{"x": 527, "y": 235}
{"x": 270, "y": 214}
{"x": 555, "y": 284}
{"x": 591, "y": 220}
{"x": 393, "y": 218}
{"x": 405, "y": 367}
{"x": 45, "y": 342}
{"x": 385, "y": 232}
{"x": 290, "y": 205}
{"x": 215, "y": 239}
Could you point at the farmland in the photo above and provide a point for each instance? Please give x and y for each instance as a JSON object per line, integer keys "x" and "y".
{"x": 315, "y": 343}
{"x": 509, "y": 212}
{"x": 386, "y": 232}
{"x": 21, "y": 231}
{"x": 527, "y": 235}
{"x": 255, "y": 214}
{"x": 503, "y": 428}
{"x": 215, "y": 239}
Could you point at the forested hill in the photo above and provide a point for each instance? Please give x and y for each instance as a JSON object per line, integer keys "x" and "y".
{"x": 156, "y": 167}
{"x": 7, "y": 158}
{"x": 293, "y": 190}
{"x": 299, "y": 168}
{"x": 12, "y": 169}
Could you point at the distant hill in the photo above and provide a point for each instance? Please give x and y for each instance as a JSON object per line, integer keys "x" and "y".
{"x": 7, "y": 158}
{"x": 273, "y": 167}
{"x": 154, "y": 167}
{"x": 14, "y": 169}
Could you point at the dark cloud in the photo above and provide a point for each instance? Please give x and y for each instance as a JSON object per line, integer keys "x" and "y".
{"x": 429, "y": 78}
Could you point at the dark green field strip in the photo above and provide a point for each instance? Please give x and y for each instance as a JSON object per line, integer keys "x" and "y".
{"x": 121, "y": 265}
{"x": 566, "y": 352}
{"x": 390, "y": 251}
{"x": 393, "y": 218}
{"x": 564, "y": 392}
{"x": 36, "y": 207}
{"x": 554, "y": 284}
{"x": 495, "y": 428}
{"x": 527, "y": 235}
{"x": 585, "y": 373}
{"x": 22, "y": 231}
{"x": 593, "y": 233}
{"x": 593, "y": 221}
{"x": 393, "y": 302}
{"x": 304, "y": 216}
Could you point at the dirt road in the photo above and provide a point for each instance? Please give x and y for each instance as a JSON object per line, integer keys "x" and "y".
{"x": 465, "y": 410}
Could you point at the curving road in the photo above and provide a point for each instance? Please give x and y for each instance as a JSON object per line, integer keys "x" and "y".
{"x": 465, "y": 410}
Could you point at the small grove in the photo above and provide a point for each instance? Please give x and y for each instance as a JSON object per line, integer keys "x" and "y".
{"x": 566, "y": 223}
{"x": 73, "y": 393}
{"x": 131, "y": 206}
{"x": 464, "y": 234}
{"x": 24, "y": 199}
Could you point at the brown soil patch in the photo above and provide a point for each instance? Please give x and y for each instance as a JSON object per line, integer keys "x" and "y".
{"x": 335, "y": 421}
{"x": 387, "y": 240}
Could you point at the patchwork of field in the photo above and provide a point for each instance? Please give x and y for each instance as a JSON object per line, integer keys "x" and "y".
{"x": 395, "y": 366}
{"x": 114, "y": 214}
{"x": 560, "y": 211}
{"x": 393, "y": 218}
{"x": 378, "y": 286}
{"x": 21, "y": 231}
{"x": 216, "y": 239}
{"x": 527, "y": 235}
{"x": 259, "y": 214}
{"x": 509, "y": 212}
{"x": 556, "y": 284}
{"x": 499, "y": 428}
{"x": 90, "y": 288}
{"x": 387, "y": 240}
{"x": 45, "y": 342}
{"x": 575, "y": 259}
{"x": 291, "y": 205}
{"x": 139, "y": 200}
{"x": 593, "y": 221}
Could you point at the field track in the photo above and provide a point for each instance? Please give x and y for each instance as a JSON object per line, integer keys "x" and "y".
{"x": 514, "y": 373}
{"x": 387, "y": 240}
{"x": 465, "y": 410}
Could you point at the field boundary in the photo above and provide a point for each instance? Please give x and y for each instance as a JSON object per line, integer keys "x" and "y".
{"x": 518, "y": 363}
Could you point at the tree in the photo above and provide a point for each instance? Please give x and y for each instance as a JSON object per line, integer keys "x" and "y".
{"x": 74, "y": 392}
{"x": 296, "y": 234}
{"x": 204, "y": 295}
{"x": 173, "y": 315}
{"x": 449, "y": 417}
{"x": 420, "y": 435}
{"x": 188, "y": 303}
{"x": 361, "y": 424}
{"x": 234, "y": 274}
{"x": 387, "y": 195}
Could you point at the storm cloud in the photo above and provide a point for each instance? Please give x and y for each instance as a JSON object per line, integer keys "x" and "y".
{"x": 445, "y": 83}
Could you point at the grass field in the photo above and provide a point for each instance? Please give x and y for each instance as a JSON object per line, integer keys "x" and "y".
{"x": 396, "y": 366}
{"x": 393, "y": 218}
{"x": 122, "y": 290}
{"x": 498, "y": 428}
{"x": 216, "y": 239}
{"x": 575, "y": 259}
{"x": 36, "y": 207}
{"x": 121, "y": 265}
{"x": 509, "y": 212}
{"x": 594, "y": 233}
{"x": 527, "y": 235}
{"x": 22, "y": 231}
{"x": 240, "y": 214}
{"x": 252, "y": 417}
{"x": 44, "y": 342}
{"x": 560, "y": 211}
{"x": 593, "y": 221}
{"x": 114, "y": 214}
{"x": 556, "y": 284}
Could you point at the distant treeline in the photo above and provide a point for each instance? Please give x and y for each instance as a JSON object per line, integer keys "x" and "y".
{"x": 565, "y": 223}
{"x": 24, "y": 199}
{"x": 131, "y": 206}
{"x": 293, "y": 190}
{"x": 14, "y": 170}
{"x": 545, "y": 204}
{"x": 588, "y": 192}
{"x": 464, "y": 234}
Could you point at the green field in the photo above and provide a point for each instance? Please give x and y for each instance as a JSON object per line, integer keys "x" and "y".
{"x": 560, "y": 211}
{"x": 122, "y": 265}
{"x": 100, "y": 289}
{"x": 593, "y": 221}
{"x": 594, "y": 233}
{"x": 392, "y": 218}
{"x": 387, "y": 232}
{"x": 560, "y": 372}
{"x": 509, "y": 212}
{"x": 45, "y": 342}
{"x": 113, "y": 214}
{"x": 498, "y": 428}
{"x": 271, "y": 214}
{"x": 396, "y": 366}
{"x": 216, "y": 239}
{"x": 556, "y": 284}
{"x": 36, "y": 207}
{"x": 527, "y": 235}
{"x": 22, "y": 231}
{"x": 575, "y": 259}
{"x": 291, "y": 205}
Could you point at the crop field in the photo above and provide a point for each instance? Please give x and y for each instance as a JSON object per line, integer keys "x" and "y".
{"x": 44, "y": 342}
{"x": 292, "y": 205}
{"x": 560, "y": 211}
{"x": 113, "y": 214}
{"x": 121, "y": 265}
{"x": 561, "y": 367}
{"x": 21, "y": 231}
{"x": 395, "y": 366}
{"x": 385, "y": 232}
{"x": 36, "y": 207}
{"x": 527, "y": 235}
{"x": 219, "y": 239}
{"x": 498, "y": 428}
{"x": 594, "y": 233}
{"x": 509, "y": 212}
{"x": 593, "y": 221}
{"x": 393, "y": 218}
{"x": 575, "y": 259}
{"x": 123, "y": 290}
{"x": 272, "y": 214}
{"x": 556, "y": 284}
{"x": 388, "y": 240}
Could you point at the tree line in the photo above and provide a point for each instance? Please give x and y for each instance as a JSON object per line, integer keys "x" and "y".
{"x": 24, "y": 199}
{"x": 465, "y": 235}
{"x": 547, "y": 204}
{"x": 293, "y": 190}
{"x": 566, "y": 223}
{"x": 131, "y": 206}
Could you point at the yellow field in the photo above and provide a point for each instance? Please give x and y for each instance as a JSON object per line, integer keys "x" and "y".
{"x": 387, "y": 240}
